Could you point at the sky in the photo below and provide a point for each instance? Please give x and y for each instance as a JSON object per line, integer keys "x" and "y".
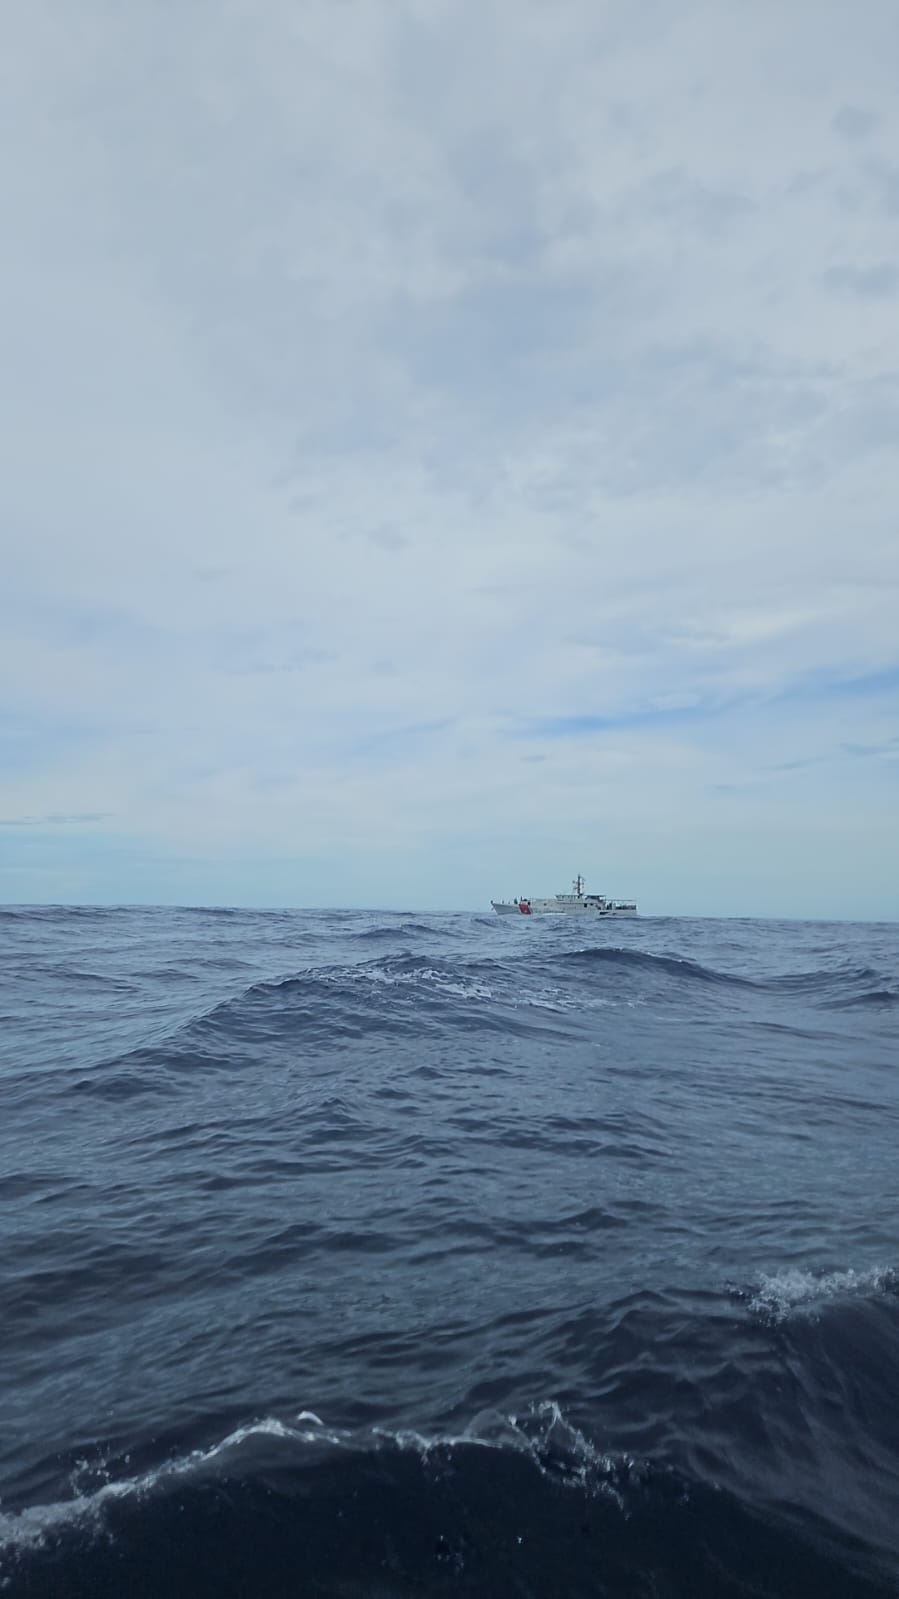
{"x": 449, "y": 446}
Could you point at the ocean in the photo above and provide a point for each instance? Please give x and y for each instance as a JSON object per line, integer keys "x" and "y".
{"x": 355, "y": 1253}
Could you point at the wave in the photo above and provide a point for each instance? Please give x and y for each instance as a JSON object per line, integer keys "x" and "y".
{"x": 543, "y": 1435}
{"x": 513, "y": 1504}
{"x": 867, "y": 986}
{"x": 798, "y": 1292}
{"x": 409, "y": 993}
{"x": 221, "y": 911}
{"x": 873, "y": 998}
{"x": 397, "y": 992}
{"x": 674, "y": 965}
{"x": 465, "y": 978}
{"x": 490, "y": 979}
{"x": 391, "y": 931}
{"x": 319, "y": 1010}
{"x": 59, "y": 913}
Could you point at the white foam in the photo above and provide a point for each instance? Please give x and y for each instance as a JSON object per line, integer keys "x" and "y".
{"x": 459, "y": 987}
{"x": 554, "y": 1446}
{"x": 558, "y": 1442}
{"x": 795, "y": 1292}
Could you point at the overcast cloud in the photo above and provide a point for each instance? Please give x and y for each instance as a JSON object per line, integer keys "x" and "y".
{"x": 449, "y": 446}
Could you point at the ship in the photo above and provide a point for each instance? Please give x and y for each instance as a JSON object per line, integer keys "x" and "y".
{"x": 577, "y": 903}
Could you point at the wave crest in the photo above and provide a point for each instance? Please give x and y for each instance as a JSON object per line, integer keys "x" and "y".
{"x": 797, "y": 1292}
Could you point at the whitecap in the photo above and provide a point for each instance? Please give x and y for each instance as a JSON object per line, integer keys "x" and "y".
{"x": 798, "y": 1292}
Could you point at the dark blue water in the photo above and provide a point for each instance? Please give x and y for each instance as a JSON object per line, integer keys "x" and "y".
{"x": 350, "y": 1254}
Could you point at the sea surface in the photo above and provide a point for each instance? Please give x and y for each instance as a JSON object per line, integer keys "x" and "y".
{"x": 386, "y": 1254}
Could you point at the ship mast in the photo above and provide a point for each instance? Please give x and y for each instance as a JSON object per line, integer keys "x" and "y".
{"x": 578, "y": 886}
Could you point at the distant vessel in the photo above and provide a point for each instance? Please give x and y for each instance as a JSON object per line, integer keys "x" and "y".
{"x": 576, "y": 903}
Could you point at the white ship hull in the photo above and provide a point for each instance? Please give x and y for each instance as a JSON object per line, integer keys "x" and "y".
{"x": 576, "y": 904}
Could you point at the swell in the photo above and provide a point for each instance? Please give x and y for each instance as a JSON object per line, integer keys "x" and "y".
{"x": 407, "y": 994}
{"x": 58, "y": 913}
{"x": 525, "y": 1505}
{"x": 390, "y": 932}
{"x": 866, "y": 985}
{"x": 672, "y": 965}
{"x": 417, "y": 985}
{"x": 869, "y": 999}
{"x": 403, "y": 996}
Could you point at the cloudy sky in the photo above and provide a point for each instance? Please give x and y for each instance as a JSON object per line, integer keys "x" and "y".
{"x": 450, "y": 445}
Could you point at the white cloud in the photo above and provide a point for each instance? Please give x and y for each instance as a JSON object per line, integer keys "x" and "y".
{"x": 382, "y": 380}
